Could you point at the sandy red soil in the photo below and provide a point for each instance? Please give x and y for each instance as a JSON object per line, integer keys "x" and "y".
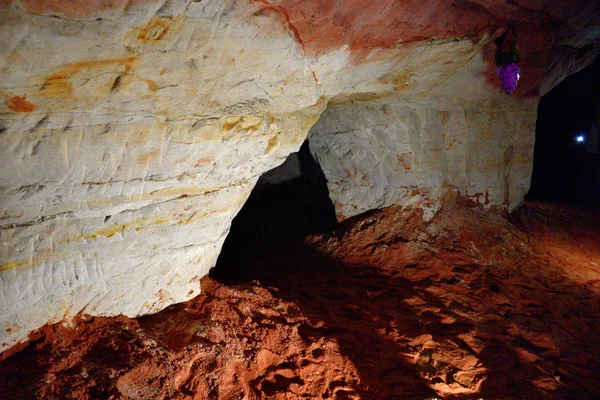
{"x": 471, "y": 305}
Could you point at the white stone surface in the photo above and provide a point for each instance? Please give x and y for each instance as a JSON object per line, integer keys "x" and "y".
{"x": 411, "y": 150}
{"x": 130, "y": 138}
{"x": 125, "y": 220}
{"x": 125, "y": 159}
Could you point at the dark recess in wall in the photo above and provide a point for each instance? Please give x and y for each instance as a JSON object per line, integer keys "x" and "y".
{"x": 566, "y": 169}
{"x": 287, "y": 203}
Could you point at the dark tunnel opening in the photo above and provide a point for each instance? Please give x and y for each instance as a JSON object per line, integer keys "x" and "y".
{"x": 288, "y": 203}
{"x": 566, "y": 163}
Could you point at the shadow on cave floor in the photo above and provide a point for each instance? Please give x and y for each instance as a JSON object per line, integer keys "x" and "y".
{"x": 440, "y": 322}
{"x": 266, "y": 243}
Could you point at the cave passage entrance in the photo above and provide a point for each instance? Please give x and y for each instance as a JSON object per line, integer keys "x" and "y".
{"x": 288, "y": 203}
{"x": 566, "y": 162}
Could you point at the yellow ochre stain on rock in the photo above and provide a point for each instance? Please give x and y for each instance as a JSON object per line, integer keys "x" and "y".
{"x": 154, "y": 30}
{"x": 137, "y": 224}
{"x": 272, "y": 143}
{"x": 140, "y": 224}
{"x": 15, "y": 265}
{"x": 399, "y": 81}
{"x": 230, "y": 123}
{"x": 26, "y": 264}
{"x": 58, "y": 85}
{"x": 248, "y": 123}
{"x": 151, "y": 85}
{"x": 146, "y": 158}
{"x": 112, "y": 230}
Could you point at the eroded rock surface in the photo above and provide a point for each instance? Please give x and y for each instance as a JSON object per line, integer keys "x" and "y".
{"x": 131, "y": 132}
{"x": 391, "y": 152}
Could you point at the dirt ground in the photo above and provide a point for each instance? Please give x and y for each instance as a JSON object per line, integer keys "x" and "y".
{"x": 470, "y": 305}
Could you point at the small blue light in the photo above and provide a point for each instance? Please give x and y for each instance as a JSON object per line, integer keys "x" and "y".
{"x": 580, "y": 139}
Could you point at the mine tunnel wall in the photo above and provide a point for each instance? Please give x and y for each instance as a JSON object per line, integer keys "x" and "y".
{"x": 393, "y": 152}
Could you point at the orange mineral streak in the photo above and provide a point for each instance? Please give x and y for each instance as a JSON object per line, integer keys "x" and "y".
{"x": 155, "y": 30}
{"x": 58, "y": 84}
{"x": 79, "y": 9}
{"x": 20, "y": 104}
{"x": 285, "y": 17}
{"x": 322, "y": 26}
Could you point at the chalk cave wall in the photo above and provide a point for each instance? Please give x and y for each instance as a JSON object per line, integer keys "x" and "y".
{"x": 131, "y": 136}
{"x": 393, "y": 152}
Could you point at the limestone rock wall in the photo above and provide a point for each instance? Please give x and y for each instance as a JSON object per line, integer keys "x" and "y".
{"x": 130, "y": 139}
{"x": 378, "y": 154}
{"x": 131, "y": 132}
{"x": 126, "y": 219}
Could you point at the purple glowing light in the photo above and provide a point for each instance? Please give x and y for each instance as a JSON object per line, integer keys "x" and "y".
{"x": 509, "y": 76}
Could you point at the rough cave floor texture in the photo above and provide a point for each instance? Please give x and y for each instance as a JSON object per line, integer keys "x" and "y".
{"x": 473, "y": 304}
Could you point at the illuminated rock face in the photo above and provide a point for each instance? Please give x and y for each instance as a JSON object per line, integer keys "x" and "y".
{"x": 392, "y": 152}
{"x": 130, "y": 139}
{"x": 131, "y": 132}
